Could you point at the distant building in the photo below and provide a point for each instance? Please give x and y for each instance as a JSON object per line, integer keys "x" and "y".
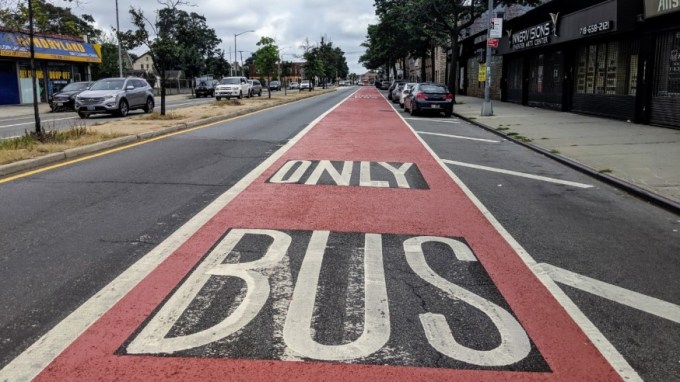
{"x": 143, "y": 63}
{"x": 295, "y": 75}
{"x": 369, "y": 77}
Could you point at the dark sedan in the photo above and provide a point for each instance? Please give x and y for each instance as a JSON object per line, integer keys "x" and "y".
{"x": 65, "y": 98}
{"x": 275, "y": 85}
{"x": 429, "y": 97}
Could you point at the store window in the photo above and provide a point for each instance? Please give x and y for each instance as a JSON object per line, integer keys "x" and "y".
{"x": 667, "y": 72}
{"x": 60, "y": 74}
{"x": 607, "y": 68}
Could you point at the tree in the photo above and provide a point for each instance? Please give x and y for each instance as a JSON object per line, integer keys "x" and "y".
{"x": 109, "y": 65}
{"x": 217, "y": 65}
{"x": 161, "y": 42}
{"x": 196, "y": 43}
{"x": 266, "y": 58}
{"x": 47, "y": 18}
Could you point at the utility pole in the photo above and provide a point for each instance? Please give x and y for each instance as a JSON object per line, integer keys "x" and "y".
{"x": 487, "y": 107}
{"x": 120, "y": 55}
{"x": 36, "y": 112}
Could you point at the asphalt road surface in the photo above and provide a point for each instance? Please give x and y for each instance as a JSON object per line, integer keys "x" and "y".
{"x": 286, "y": 246}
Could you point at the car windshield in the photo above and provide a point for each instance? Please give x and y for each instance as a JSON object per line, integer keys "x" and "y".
{"x": 108, "y": 85}
{"x": 230, "y": 81}
{"x": 432, "y": 89}
{"x": 75, "y": 86}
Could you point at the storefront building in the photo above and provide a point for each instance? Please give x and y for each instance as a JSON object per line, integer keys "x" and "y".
{"x": 58, "y": 61}
{"x": 617, "y": 58}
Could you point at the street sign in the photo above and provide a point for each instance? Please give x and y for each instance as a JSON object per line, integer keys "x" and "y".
{"x": 481, "y": 75}
{"x": 496, "y": 28}
{"x": 492, "y": 43}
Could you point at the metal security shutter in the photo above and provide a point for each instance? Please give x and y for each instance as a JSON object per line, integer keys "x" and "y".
{"x": 665, "y": 104}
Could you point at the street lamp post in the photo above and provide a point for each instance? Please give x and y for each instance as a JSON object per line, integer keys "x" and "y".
{"x": 235, "y": 49}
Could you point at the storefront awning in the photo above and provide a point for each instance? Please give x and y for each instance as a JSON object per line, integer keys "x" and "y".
{"x": 14, "y": 44}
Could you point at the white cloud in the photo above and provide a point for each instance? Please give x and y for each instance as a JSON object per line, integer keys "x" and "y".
{"x": 289, "y": 23}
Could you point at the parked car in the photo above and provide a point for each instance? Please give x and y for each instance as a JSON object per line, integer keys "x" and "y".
{"x": 115, "y": 96}
{"x": 255, "y": 88}
{"x": 384, "y": 85}
{"x": 404, "y": 92}
{"x": 294, "y": 86}
{"x": 205, "y": 88}
{"x": 65, "y": 99}
{"x": 429, "y": 97}
{"x": 306, "y": 84}
{"x": 274, "y": 85}
{"x": 395, "y": 89}
{"x": 232, "y": 87}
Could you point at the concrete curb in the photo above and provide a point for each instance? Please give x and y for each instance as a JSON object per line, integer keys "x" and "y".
{"x": 30, "y": 164}
{"x": 633, "y": 189}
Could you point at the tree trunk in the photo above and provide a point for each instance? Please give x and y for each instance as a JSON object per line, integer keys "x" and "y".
{"x": 453, "y": 75}
{"x": 434, "y": 58}
{"x": 423, "y": 70}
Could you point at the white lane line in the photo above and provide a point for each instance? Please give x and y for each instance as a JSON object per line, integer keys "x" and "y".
{"x": 614, "y": 293}
{"x": 458, "y": 137}
{"x": 42, "y": 121}
{"x": 35, "y": 359}
{"x": 515, "y": 173}
{"x": 608, "y": 351}
{"x": 433, "y": 120}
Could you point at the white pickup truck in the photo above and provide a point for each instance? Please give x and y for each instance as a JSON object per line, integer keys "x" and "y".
{"x": 232, "y": 87}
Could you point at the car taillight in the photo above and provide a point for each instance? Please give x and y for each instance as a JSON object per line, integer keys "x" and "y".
{"x": 421, "y": 95}
{"x": 449, "y": 96}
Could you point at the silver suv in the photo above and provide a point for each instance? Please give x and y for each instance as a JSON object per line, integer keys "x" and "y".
{"x": 115, "y": 96}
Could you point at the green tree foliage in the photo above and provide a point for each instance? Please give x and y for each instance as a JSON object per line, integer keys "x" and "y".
{"x": 48, "y": 19}
{"x": 109, "y": 64}
{"x": 324, "y": 61}
{"x": 266, "y": 58}
{"x": 217, "y": 65}
{"x": 420, "y": 26}
{"x": 196, "y": 43}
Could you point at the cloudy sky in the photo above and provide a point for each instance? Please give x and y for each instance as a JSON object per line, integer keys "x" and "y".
{"x": 289, "y": 22}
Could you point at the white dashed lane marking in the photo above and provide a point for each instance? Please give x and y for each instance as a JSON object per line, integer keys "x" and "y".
{"x": 520, "y": 174}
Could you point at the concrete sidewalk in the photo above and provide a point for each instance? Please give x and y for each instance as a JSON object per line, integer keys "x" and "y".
{"x": 642, "y": 159}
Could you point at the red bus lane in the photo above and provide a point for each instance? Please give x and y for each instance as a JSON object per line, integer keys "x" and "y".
{"x": 426, "y": 289}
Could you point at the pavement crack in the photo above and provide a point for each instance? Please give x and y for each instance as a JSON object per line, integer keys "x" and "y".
{"x": 131, "y": 242}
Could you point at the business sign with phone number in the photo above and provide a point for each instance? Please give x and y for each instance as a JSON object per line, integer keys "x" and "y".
{"x": 595, "y": 28}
